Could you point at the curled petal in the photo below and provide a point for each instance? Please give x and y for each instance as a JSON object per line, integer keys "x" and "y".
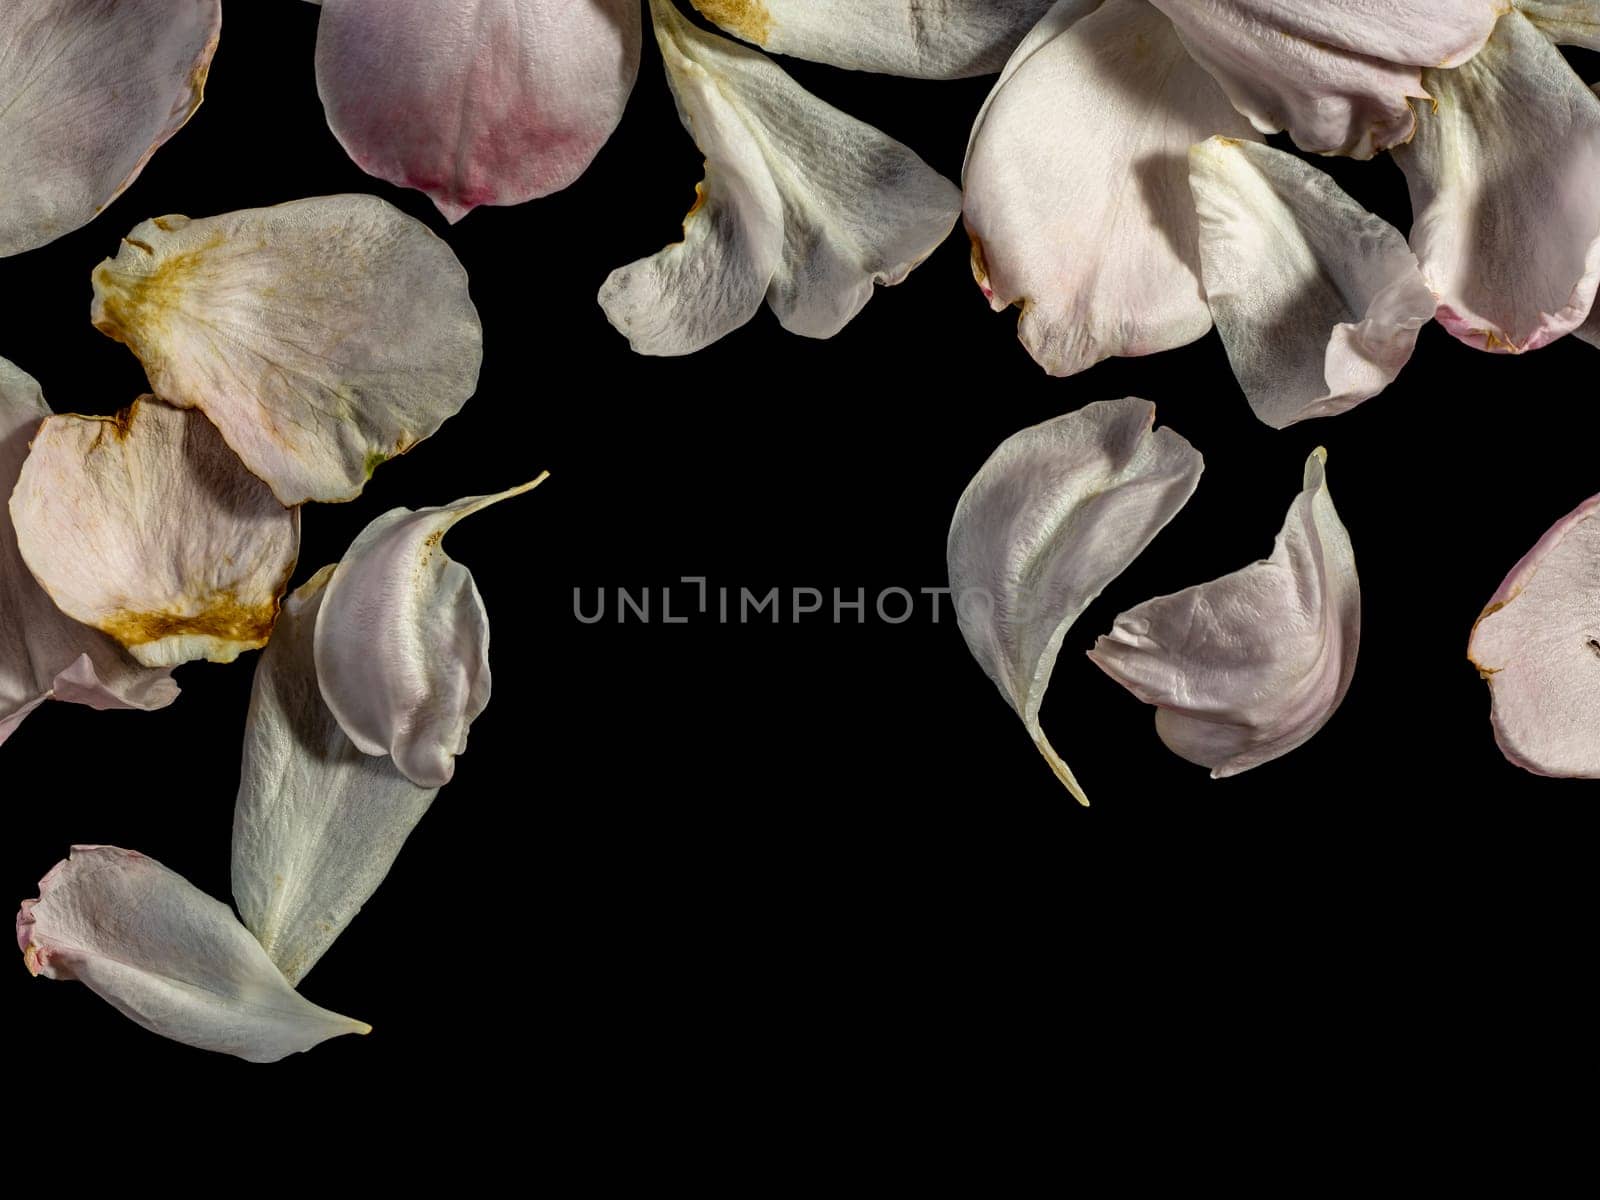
{"x": 476, "y": 101}
{"x": 1340, "y": 77}
{"x": 322, "y": 337}
{"x": 43, "y": 652}
{"x": 318, "y": 823}
{"x": 1077, "y": 186}
{"x": 1505, "y": 184}
{"x": 413, "y": 692}
{"x": 948, "y": 39}
{"x": 1056, "y": 514}
{"x": 1538, "y": 645}
{"x": 802, "y": 206}
{"x": 1318, "y": 301}
{"x": 145, "y": 526}
{"x": 88, "y": 92}
{"x": 1565, "y": 22}
{"x": 167, "y": 956}
{"x": 1247, "y": 667}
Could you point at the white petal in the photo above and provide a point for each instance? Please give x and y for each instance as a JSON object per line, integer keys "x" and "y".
{"x": 1056, "y": 514}
{"x": 1341, "y": 77}
{"x": 318, "y": 823}
{"x": 43, "y": 652}
{"x": 1247, "y": 667}
{"x": 322, "y": 337}
{"x": 927, "y": 39}
{"x": 1538, "y": 645}
{"x": 1566, "y": 22}
{"x": 1505, "y": 185}
{"x": 145, "y": 526}
{"x": 402, "y": 641}
{"x": 167, "y": 956}
{"x": 476, "y": 101}
{"x": 88, "y": 92}
{"x": 1318, "y": 301}
{"x": 1077, "y": 186}
{"x": 801, "y": 205}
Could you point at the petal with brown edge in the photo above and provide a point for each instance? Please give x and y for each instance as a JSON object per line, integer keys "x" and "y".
{"x": 1055, "y": 515}
{"x": 317, "y": 824}
{"x": 1247, "y": 667}
{"x": 1077, "y": 186}
{"x": 43, "y": 652}
{"x": 322, "y": 337}
{"x": 413, "y": 692}
{"x": 1505, "y": 187}
{"x": 167, "y": 956}
{"x": 476, "y": 101}
{"x": 88, "y": 92}
{"x": 147, "y": 527}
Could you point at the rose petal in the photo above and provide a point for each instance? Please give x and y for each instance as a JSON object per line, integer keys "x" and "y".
{"x": 322, "y": 337}
{"x": 167, "y": 956}
{"x": 1566, "y": 22}
{"x": 1056, "y": 514}
{"x": 801, "y": 205}
{"x": 1340, "y": 77}
{"x": 145, "y": 526}
{"x": 476, "y": 101}
{"x": 43, "y": 652}
{"x": 1538, "y": 645}
{"x": 1077, "y": 186}
{"x": 949, "y": 40}
{"x": 318, "y": 823}
{"x": 1505, "y": 185}
{"x": 413, "y": 693}
{"x": 1318, "y": 301}
{"x": 88, "y": 92}
{"x": 1247, "y": 667}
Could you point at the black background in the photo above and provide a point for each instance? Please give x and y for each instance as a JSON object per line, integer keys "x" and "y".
{"x": 728, "y": 856}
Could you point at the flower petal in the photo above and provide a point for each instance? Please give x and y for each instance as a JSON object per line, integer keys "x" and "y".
{"x": 1318, "y": 301}
{"x": 1565, "y": 22}
{"x": 1247, "y": 667}
{"x": 1077, "y": 186}
{"x": 476, "y": 101}
{"x": 1056, "y": 514}
{"x": 322, "y": 337}
{"x": 948, "y": 40}
{"x": 88, "y": 92}
{"x": 801, "y": 204}
{"x": 1505, "y": 185}
{"x": 318, "y": 823}
{"x": 413, "y": 694}
{"x": 167, "y": 956}
{"x": 145, "y": 526}
{"x": 1538, "y": 645}
{"x": 43, "y": 652}
{"x": 1339, "y": 77}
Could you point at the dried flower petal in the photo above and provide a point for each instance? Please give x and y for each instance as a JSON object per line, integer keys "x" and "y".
{"x": 1565, "y": 22}
{"x": 1056, "y": 514}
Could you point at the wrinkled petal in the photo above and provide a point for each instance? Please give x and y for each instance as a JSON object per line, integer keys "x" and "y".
{"x": 1566, "y": 22}
{"x": 926, "y": 39}
{"x": 1538, "y": 645}
{"x": 1318, "y": 301}
{"x": 1247, "y": 667}
{"x": 322, "y": 337}
{"x": 413, "y": 693}
{"x": 1056, "y": 514}
{"x": 802, "y": 206}
{"x": 167, "y": 956}
{"x": 1340, "y": 77}
{"x": 476, "y": 101}
{"x": 147, "y": 527}
{"x": 1077, "y": 186}
{"x": 1505, "y": 185}
{"x": 43, "y": 652}
{"x": 318, "y": 823}
{"x": 88, "y": 92}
